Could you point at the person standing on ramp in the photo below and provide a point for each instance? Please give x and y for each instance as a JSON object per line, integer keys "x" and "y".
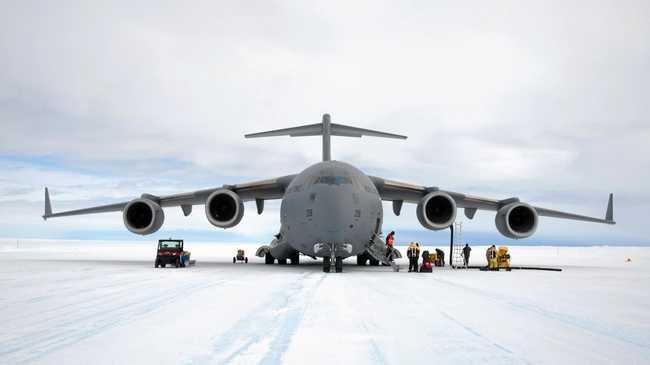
{"x": 390, "y": 240}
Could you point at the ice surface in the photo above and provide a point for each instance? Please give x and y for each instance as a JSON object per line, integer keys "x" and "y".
{"x": 104, "y": 303}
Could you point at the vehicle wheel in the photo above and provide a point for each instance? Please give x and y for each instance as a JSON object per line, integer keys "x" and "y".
{"x": 326, "y": 264}
{"x": 338, "y": 264}
{"x": 156, "y": 264}
{"x": 362, "y": 259}
{"x": 374, "y": 262}
{"x": 295, "y": 259}
{"x": 162, "y": 264}
{"x": 282, "y": 261}
{"x": 234, "y": 260}
{"x": 245, "y": 260}
{"x": 177, "y": 263}
{"x": 269, "y": 259}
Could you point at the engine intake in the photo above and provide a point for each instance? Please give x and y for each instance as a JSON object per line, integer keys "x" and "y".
{"x": 516, "y": 220}
{"x": 224, "y": 208}
{"x": 436, "y": 211}
{"x": 143, "y": 216}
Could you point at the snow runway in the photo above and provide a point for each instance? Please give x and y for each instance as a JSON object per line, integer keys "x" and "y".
{"x": 77, "y": 302}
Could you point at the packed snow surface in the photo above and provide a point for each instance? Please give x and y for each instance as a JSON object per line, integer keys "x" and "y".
{"x": 104, "y": 303}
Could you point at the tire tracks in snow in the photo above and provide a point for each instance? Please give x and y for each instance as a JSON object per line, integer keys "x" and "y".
{"x": 385, "y": 291}
{"x": 123, "y": 286}
{"x": 271, "y": 325}
{"x": 563, "y": 318}
{"x": 33, "y": 345}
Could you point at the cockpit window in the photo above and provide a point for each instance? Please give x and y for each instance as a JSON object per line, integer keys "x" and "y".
{"x": 333, "y": 180}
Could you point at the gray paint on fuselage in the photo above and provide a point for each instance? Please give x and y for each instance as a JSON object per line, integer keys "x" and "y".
{"x": 330, "y": 202}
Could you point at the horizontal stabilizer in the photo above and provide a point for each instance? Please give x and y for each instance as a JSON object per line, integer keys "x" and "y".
{"x": 325, "y": 129}
{"x": 317, "y": 130}
{"x": 304, "y": 130}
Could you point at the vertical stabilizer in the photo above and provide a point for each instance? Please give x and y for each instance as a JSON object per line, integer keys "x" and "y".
{"x": 327, "y": 132}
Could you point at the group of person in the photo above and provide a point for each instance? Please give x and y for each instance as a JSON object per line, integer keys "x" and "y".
{"x": 413, "y": 254}
{"x": 428, "y": 260}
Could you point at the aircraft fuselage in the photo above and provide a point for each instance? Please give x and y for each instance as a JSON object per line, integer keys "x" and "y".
{"x": 330, "y": 204}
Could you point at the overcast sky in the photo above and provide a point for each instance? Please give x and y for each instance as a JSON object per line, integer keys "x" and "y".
{"x": 103, "y": 101}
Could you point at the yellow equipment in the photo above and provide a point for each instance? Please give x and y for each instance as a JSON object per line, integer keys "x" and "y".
{"x": 503, "y": 258}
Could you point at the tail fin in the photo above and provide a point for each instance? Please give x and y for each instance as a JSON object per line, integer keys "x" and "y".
{"x": 325, "y": 129}
{"x": 48, "y": 206}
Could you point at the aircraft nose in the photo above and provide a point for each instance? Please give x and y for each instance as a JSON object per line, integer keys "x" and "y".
{"x": 333, "y": 208}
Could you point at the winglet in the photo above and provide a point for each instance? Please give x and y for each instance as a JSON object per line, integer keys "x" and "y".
{"x": 48, "y": 205}
{"x": 609, "y": 215}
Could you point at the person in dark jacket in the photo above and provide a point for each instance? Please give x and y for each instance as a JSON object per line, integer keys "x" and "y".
{"x": 466, "y": 252}
{"x": 440, "y": 256}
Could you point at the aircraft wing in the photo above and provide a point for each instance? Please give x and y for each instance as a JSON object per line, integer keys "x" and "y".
{"x": 399, "y": 192}
{"x": 257, "y": 190}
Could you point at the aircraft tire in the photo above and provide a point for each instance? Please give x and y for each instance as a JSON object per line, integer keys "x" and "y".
{"x": 269, "y": 259}
{"x": 282, "y": 261}
{"x": 338, "y": 264}
{"x": 326, "y": 264}
{"x": 374, "y": 262}
{"x": 362, "y": 259}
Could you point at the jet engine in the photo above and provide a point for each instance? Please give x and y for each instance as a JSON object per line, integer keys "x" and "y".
{"x": 516, "y": 220}
{"x": 224, "y": 208}
{"x": 436, "y": 210}
{"x": 143, "y": 216}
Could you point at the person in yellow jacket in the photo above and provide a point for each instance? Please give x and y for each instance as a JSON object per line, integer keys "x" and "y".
{"x": 491, "y": 256}
{"x": 413, "y": 253}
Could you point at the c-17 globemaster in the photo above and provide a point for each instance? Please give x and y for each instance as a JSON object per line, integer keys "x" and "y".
{"x": 331, "y": 209}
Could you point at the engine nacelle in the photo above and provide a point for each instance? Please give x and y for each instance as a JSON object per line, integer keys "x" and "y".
{"x": 143, "y": 216}
{"x": 516, "y": 220}
{"x": 436, "y": 211}
{"x": 224, "y": 208}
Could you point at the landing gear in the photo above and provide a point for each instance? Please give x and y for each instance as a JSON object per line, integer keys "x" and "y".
{"x": 327, "y": 262}
{"x": 374, "y": 262}
{"x": 338, "y": 264}
{"x": 282, "y": 261}
{"x": 362, "y": 259}
{"x": 269, "y": 259}
{"x": 295, "y": 258}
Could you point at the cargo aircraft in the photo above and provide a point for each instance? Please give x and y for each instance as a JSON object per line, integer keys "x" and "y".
{"x": 331, "y": 209}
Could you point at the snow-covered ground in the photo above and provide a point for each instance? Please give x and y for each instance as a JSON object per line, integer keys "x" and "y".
{"x": 104, "y": 303}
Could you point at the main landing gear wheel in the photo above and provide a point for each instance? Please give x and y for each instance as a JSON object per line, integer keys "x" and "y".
{"x": 269, "y": 259}
{"x": 374, "y": 262}
{"x": 338, "y": 264}
{"x": 326, "y": 264}
{"x": 282, "y": 261}
{"x": 362, "y": 259}
{"x": 295, "y": 259}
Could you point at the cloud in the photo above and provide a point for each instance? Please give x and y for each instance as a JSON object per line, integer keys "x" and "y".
{"x": 544, "y": 101}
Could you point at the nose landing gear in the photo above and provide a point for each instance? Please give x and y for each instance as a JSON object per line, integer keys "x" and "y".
{"x": 327, "y": 264}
